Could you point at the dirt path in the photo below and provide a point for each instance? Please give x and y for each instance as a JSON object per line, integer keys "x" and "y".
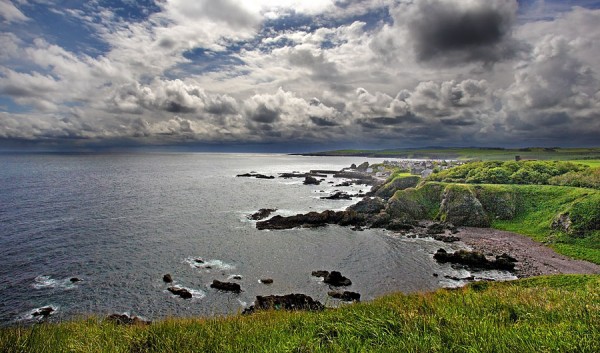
{"x": 534, "y": 258}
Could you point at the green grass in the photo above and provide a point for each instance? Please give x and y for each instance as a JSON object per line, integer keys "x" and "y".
{"x": 545, "y": 314}
{"x": 594, "y": 163}
{"x": 537, "y": 207}
{"x": 486, "y": 154}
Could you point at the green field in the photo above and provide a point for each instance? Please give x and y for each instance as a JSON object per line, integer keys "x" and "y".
{"x": 545, "y": 314}
{"x": 500, "y": 154}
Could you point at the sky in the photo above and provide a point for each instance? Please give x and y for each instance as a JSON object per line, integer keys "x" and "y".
{"x": 294, "y": 75}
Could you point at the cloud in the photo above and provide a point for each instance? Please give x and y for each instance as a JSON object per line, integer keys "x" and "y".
{"x": 455, "y": 31}
{"x": 11, "y": 13}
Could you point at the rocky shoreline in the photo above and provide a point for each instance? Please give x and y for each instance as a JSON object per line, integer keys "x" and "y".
{"x": 465, "y": 218}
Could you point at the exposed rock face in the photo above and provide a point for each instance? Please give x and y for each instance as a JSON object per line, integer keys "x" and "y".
{"x": 43, "y": 311}
{"x": 345, "y": 296}
{"x": 461, "y": 207}
{"x": 498, "y": 204}
{"x": 311, "y": 220}
{"x": 266, "y": 281}
{"x": 226, "y": 286}
{"x": 562, "y": 222}
{"x": 358, "y": 177}
{"x": 255, "y": 175}
{"x": 336, "y": 279}
{"x": 363, "y": 166}
{"x": 285, "y": 302}
{"x": 320, "y": 273}
{"x": 388, "y": 190}
{"x": 475, "y": 260}
{"x": 262, "y": 214}
{"x": 74, "y": 279}
{"x": 309, "y": 180}
{"x": 368, "y": 206}
{"x": 340, "y": 195}
{"x": 168, "y": 278}
{"x": 124, "y": 319}
{"x": 182, "y": 292}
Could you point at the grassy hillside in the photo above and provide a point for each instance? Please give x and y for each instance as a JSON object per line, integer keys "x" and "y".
{"x": 525, "y": 209}
{"x": 499, "y": 154}
{"x": 545, "y": 314}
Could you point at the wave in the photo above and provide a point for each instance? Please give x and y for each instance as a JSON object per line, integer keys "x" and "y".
{"x": 44, "y": 282}
{"x": 198, "y": 262}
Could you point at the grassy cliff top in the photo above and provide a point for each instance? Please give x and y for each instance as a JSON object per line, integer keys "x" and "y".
{"x": 544, "y": 314}
{"x": 584, "y": 154}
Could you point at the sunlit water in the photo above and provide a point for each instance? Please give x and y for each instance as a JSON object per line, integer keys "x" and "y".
{"x": 121, "y": 221}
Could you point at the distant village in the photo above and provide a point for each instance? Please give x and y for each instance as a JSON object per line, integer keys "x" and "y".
{"x": 422, "y": 168}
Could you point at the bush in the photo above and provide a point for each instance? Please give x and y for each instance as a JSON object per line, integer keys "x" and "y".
{"x": 522, "y": 172}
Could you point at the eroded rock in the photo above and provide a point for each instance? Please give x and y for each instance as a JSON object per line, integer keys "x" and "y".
{"x": 289, "y": 302}
{"x": 226, "y": 286}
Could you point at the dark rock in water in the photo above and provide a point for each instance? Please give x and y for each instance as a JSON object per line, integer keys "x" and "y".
{"x": 311, "y": 181}
{"x": 43, "y": 311}
{"x": 199, "y": 261}
{"x": 285, "y": 302}
{"x": 357, "y": 228}
{"x": 325, "y": 172}
{"x": 363, "y": 166}
{"x": 311, "y": 220}
{"x": 124, "y": 319}
{"x": 340, "y": 195}
{"x": 320, "y": 273}
{"x": 292, "y": 175}
{"x": 336, "y": 279}
{"x": 237, "y": 277}
{"x": 168, "y": 278}
{"x": 262, "y": 213}
{"x": 182, "y": 292}
{"x": 469, "y": 278}
{"x": 345, "y": 183}
{"x": 345, "y": 296}
{"x": 74, "y": 279}
{"x": 473, "y": 259}
{"x": 226, "y": 286}
{"x": 352, "y": 166}
{"x": 255, "y": 175}
{"x": 266, "y": 281}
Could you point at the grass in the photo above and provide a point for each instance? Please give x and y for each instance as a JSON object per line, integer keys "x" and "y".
{"x": 486, "y": 154}
{"x": 545, "y": 314}
{"x": 537, "y": 207}
{"x": 594, "y": 163}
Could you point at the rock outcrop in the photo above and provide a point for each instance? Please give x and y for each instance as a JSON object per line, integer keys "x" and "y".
{"x": 475, "y": 260}
{"x": 124, "y": 319}
{"x": 181, "y": 292}
{"x": 289, "y": 302}
{"x": 226, "y": 286}
{"x": 461, "y": 207}
{"x": 167, "y": 278}
{"x": 261, "y": 214}
{"x": 336, "y": 279}
{"x": 345, "y": 296}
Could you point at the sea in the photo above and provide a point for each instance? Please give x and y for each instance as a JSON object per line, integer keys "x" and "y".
{"x": 120, "y": 221}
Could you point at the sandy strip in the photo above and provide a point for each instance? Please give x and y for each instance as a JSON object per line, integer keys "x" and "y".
{"x": 534, "y": 258}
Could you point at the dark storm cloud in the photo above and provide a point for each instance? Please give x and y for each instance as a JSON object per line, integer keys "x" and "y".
{"x": 264, "y": 114}
{"x": 322, "y": 122}
{"x": 452, "y": 32}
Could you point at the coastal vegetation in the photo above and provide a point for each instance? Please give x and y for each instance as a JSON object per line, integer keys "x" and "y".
{"x": 522, "y": 172}
{"x": 565, "y": 218}
{"x": 543, "y": 314}
{"x": 473, "y": 153}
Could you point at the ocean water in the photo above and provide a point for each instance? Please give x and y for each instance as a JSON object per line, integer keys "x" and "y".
{"x": 121, "y": 221}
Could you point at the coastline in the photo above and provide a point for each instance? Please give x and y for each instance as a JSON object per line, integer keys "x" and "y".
{"x": 534, "y": 258}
